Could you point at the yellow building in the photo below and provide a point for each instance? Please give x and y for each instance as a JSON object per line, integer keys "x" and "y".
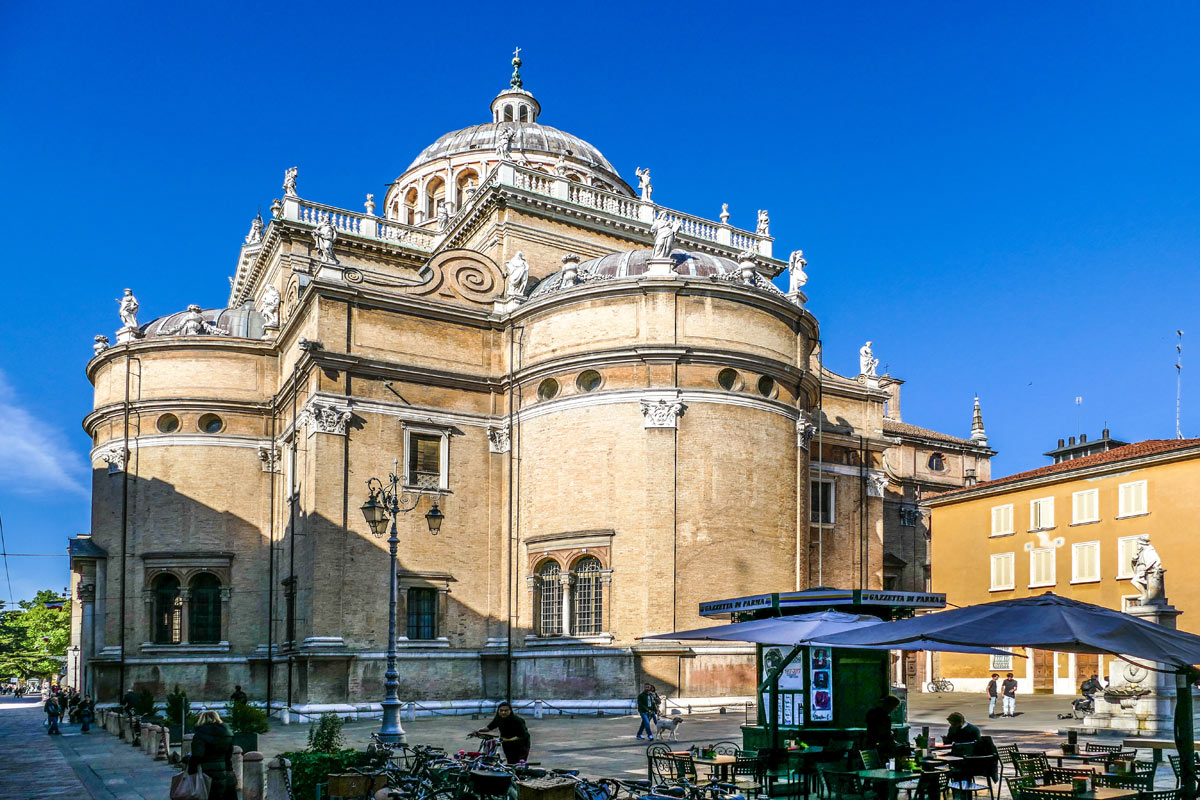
{"x": 1070, "y": 528}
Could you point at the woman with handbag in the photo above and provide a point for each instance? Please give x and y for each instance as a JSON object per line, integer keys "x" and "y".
{"x": 212, "y": 753}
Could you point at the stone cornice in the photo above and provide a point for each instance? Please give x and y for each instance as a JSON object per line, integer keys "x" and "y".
{"x": 153, "y": 344}
{"x": 1100, "y": 470}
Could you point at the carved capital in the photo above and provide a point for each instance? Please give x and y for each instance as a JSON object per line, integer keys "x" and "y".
{"x": 86, "y": 592}
{"x": 876, "y": 484}
{"x": 225, "y": 593}
{"x": 320, "y": 416}
{"x": 268, "y": 454}
{"x": 499, "y": 440}
{"x": 661, "y": 412}
{"x": 114, "y": 456}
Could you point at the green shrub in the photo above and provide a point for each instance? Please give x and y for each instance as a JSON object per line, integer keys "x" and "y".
{"x": 326, "y": 735}
{"x": 177, "y": 706}
{"x": 144, "y": 707}
{"x": 245, "y": 718}
{"x": 310, "y": 768}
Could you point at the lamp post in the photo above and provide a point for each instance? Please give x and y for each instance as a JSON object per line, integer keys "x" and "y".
{"x": 77, "y": 678}
{"x": 388, "y": 501}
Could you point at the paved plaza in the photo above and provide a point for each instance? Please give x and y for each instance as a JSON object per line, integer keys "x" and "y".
{"x": 100, "y": 766}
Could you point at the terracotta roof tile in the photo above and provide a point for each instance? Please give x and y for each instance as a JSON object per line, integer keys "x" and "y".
{"x": 1136, "y": 450}
{"x": 905, "y": 429}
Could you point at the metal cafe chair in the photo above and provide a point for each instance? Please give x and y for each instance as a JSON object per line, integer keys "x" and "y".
{"x": 870, "y": 759}
{"x": 1142, "y": 783}
{"x": 1094, "y": 747}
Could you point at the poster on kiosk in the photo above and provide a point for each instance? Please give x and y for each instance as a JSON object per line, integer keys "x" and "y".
{"x": 821, "y": 681}
{"x": 791, "y": 685}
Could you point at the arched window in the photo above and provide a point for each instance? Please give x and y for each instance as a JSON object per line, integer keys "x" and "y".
{"x": 937, "y": 463}
{"x": 549, "y": 605}
{"x": 524, "y": 113}
{"x": 168, "y": 610}
{"x": 587, "y": 614}
{"x": 410, "y": 207}
{"x": 204, "y": 609}
{"x": 508, "y": 115}
{"x": 434, "y": 195}
{"x": 465, "y": 184}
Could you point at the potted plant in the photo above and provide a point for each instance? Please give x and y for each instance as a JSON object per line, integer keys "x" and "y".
{"x": 179, "y": 715}
{"x": 247, "y": 722}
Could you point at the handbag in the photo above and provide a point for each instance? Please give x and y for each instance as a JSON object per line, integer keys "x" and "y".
{"x": 190, "y": 787}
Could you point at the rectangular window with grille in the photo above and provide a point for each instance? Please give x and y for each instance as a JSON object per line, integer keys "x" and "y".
{"x": 1001, "y": 663}
{"x": 587, "y": 618}
{"x": 1041, "y": 567}
{"x": 422, "y": 613}
{"x": 1085, "y": 562}
{"x": 1002, "y": 571}
{"x": 1002, "y": 520}
{"x": 425, "y": 460}
{"x": 1085, "y": 507}
{"x": 1131, "y": 499}
{"x": 549, "y": 600}
{"x": 821, "y": 502}
{"x": 1041, "y": 514}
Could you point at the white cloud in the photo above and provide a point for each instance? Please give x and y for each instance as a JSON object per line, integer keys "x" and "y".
{"x": 34, "y": 456}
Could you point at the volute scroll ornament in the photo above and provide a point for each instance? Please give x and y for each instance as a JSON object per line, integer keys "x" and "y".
{"x": 662, "y": 413}
{"x": 323, "y": 417}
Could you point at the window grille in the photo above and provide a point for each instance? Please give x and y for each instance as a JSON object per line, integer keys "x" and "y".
{"x": 588, "y": 616}
{"x": 425, "y": 460}
{"x": 821, "y": 502}
{"x": 204, "y": 610}
{"x": 1001, "y": 663}
{"x": 168, "y": 611}
{"x": 422, "y": 613}
{"x": 550, "y": 599}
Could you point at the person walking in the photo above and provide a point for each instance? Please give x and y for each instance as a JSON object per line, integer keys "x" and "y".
{"x": 993, "y": 693}
{"x": 1009, "y": 690}
{"x": 87, "y": 713}
{"x": 239, "y": 696}
{"x": 514, "y": 733}
{"x": 212, "y": 753}
{"x": 647, "y": 707}
{"x": 53, "y": 711}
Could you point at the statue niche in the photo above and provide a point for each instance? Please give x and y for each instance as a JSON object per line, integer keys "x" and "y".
{"x": 461, "y": 276}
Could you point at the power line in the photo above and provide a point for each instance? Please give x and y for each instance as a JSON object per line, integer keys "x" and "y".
{"x": 4, "y": 552}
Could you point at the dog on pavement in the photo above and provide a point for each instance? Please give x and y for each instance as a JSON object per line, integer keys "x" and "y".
{"x": 668, "y": 727}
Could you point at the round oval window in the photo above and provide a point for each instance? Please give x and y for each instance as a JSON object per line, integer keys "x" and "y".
{"x": 168, "y": 423}
{"x": 766, "y": 385}
{"x": 589, "y": 380}
{"x": 728, "y": 379}
{"x": 547, "y": 389}
{"x": 211, "y": 423}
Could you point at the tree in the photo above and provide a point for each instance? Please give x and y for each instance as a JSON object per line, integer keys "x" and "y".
{"x": 34, "y": 639}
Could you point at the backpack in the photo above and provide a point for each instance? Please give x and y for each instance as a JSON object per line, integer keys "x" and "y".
{"x": 52, "y": 708}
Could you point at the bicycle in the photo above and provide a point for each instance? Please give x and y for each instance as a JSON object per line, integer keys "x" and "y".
{"x": 940, "y": 685}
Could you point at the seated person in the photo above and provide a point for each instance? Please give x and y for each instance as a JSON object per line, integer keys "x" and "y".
{"x": 879, "y": 736}
{"x": 1090, "y": 687}
{"x": 960, "y": 733}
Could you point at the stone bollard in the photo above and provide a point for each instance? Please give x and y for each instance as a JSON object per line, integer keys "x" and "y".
{"x": 276, "y": 785}
{"x": 185, "y": 749}
{"x": 143, "y": 738}
{"x": 237, "y": 764}
{"x": 252, "y": 775}
{"x": 150, "y": 742}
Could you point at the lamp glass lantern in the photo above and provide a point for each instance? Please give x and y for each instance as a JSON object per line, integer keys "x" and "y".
{"x": 376, "y": 514}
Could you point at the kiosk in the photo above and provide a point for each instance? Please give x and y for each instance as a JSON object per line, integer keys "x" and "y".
{"x": 813, "y": 693}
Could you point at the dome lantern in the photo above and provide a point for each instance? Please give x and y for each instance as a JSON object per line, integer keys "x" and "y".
{"x": 515, "y": 104}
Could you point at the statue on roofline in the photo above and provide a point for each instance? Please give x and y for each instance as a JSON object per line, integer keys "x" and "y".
{"x": 664, "y": 230}
{"x": 289, "y": 181}
{"x": 517, "y": 270}
{"x": 643, "y": 176}
{"x": 867, "y": 362}
{"x": 797, "y": 277}
{"x": 127, "y": 308}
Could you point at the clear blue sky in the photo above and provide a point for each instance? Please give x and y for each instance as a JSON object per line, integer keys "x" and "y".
{"x": 1002, "y": 196}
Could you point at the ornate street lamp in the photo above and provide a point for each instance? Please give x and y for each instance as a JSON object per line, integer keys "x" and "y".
{"x": 385, "y": 502}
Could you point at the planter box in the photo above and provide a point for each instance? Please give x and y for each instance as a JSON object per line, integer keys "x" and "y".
{"x": 247, "y": 741}
{"x": 353, "y": 784}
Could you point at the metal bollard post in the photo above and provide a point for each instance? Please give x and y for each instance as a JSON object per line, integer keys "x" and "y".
{"x": 278, "y": 779}
{"x": 237, "y": 764}
{"x": 539, "y": 709}
{"x": 252, "y": 775}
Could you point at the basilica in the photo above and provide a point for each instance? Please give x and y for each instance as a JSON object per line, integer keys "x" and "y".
{"x": 614, "y": 409}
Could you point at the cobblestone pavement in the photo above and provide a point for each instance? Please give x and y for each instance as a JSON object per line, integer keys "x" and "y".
{"x": 101, "y": 766}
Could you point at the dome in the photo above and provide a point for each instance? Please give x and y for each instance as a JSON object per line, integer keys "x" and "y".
{"x": 531, "y": 137}
{"x": 633, "y": 263}
{"x": 244, "y": 322}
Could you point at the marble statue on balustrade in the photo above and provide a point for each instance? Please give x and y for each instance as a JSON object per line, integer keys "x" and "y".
{"x": 724, "y": 213}
{"x": 764, "y": 223}
{"x": 797, "y": 277}
{"x": 445, "y": 213}
{"x": 289, "y": 181}
{"x": 127, "y": 308}
{"x": 325, "y": 235}
{"x": 101, "y": 343}
{"x": 193, "y": 323}
{"x": 270, "y": 307}
{"x": 370, "y": 205}
{"x": 1147, "y": 571}
{"x": 664, "y": 230}
{"x": 867, "y": 362}
{"x": 504, "y": 143}
{"x": 517, "y": 270}
{"x": 256, "y": 230}
{"x": 277, "y": 209}
{"x": 644, "y": 187}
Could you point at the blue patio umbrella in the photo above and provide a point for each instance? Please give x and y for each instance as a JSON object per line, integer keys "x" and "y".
{"x": 1050, "y": 622}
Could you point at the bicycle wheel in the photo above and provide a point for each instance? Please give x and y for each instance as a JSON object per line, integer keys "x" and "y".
{"x": 947, "y": 686}
{"x": 934, "y": 687}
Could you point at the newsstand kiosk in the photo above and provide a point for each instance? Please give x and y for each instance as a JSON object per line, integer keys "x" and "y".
{"x": 819, "y": 694}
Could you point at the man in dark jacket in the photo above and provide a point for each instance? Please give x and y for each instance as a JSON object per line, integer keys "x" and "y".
{"x": 879, "y": 736}
{"x": 647, "y": 706}
{"x": 961, "y": 731}
{"x": 993, "y": 693}
{"x": 87, "y": 713}
{"x": 129, "y": 701}
{"x": 239, "y": 696}
{"x": 53, "y": 712}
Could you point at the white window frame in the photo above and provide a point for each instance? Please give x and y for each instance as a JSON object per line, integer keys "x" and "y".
{"x": 1076, "y": 517}
{"x": 832, "y": 510}
{"x": 1012, "y": 571}
{"x": 1125, "y": 570}
{"x": 1035, "y": 518}
{"x": 1033, "y": 552}
{"x": 1011, "y": 528}
{"x": 443, "y": 457}
{"x": 1122, "y": 511}
{"x": 1001, "y": 663}
{"x": 1095, "y": 575}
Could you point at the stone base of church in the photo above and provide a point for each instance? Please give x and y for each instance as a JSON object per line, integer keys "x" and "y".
{"x": 352, "y": 678}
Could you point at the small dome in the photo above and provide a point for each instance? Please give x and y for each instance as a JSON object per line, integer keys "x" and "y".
{"x": 244, "y": 322}
{"x": 531, "y": 137}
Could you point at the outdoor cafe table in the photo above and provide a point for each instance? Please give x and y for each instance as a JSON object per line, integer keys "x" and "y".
{"x": 1083, "y": 758}
{"x": 718, "y": 765}
{"x": 1099, "y": 793}
{"x": 1156, "y": 746}
{"x": 891, "y": 777}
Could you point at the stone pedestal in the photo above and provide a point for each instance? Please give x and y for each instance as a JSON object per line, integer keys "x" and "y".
{"x": 270, "y": 331}
{"x": 127, "y": 334}
{"x": 507, "y": 304}
{"x": 798, "y": 297}
{"x": 660, "y": 268}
